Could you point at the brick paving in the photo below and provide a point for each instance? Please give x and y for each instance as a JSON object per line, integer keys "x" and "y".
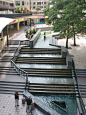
{"x": 7, "y": 106}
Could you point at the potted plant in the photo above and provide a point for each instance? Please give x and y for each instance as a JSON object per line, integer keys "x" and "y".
{"x": 34, "y": 30}
{"x": 27, "y": 34}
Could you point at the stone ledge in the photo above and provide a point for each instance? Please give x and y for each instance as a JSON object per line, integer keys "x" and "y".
{"x": 40, "y": 105}
{"x": 35, "y": 38}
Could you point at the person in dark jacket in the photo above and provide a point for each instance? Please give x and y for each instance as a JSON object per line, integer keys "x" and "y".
{"x": 29, "y": 101}
{"x": 16, "y": 98}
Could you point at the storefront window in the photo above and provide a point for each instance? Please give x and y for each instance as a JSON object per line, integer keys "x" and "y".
{"x": 0, "y": 2}
{"x": 6, "y": 3}
{"x": 38, "y": 3}
{"x": 3, "y": 3}
{"x": 17, "y": 3}
{"x": 33, "y": 7}
{"x": 22, "y": 2}
{"x": 33, "y": 3}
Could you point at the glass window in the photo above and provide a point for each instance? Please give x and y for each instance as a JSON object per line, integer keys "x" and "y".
{"x": 44, "y": 6}
{"x": 6, "y": 3}
{"x": 41, "y": 6}
{"x": 0, "y": 2}
{"x": 11, "y": 4}
{"x": 44, "y": 2}
{"x": 17, "y": 3}
{"x": 33, "y": 7}
{"x": 3, "y": 3}
{"x": 33, "y": 3}
{"x": 38, "y": 3}
{"x": 22, "y": 2}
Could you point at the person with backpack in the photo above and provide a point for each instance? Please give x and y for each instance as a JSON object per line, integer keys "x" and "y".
{"x": 16, "y": 98}
{"x": 29, "y": 102}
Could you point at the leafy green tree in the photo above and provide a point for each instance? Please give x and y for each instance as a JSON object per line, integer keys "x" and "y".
{"x": 38, "y": 8}
{"x": 21, "y": 9}
{"x": 66, "y": 17}
{"x": 17, "y": 9}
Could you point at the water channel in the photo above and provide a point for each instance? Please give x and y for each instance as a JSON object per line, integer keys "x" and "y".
{"x": 71, "y": 105}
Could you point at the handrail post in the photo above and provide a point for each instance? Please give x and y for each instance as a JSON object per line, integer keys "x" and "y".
{"x": 27, "y": 83}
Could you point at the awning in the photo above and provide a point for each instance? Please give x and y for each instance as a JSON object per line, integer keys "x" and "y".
{"x": 4, "y": 21}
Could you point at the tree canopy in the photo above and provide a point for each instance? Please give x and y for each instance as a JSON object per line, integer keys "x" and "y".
{"x": 38, "y": 8}
{"x": 67, "y": 16}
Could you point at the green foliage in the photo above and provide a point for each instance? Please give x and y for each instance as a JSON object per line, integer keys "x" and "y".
{"x": 30, "y": 32}
{"x": 27, "y": 33}
{"x": 34, "y": 31}
{"x": 66, "y": 15}
{"x": 38, "y": 8}
{"x": 19, "y": 9}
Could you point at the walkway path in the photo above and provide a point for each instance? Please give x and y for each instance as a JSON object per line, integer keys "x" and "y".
{"x": 7, "y": 106}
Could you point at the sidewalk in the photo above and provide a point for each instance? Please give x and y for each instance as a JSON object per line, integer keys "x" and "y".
{"x": 7, "y": 106}
{"x": 77, "y": 52}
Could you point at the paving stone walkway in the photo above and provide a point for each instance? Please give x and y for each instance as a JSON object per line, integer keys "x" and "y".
{"x": 7, "y": 105}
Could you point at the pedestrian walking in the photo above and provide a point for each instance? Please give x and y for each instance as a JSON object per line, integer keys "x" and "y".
{"x": 16, "y": 98}
{"x": 29, "y": 102}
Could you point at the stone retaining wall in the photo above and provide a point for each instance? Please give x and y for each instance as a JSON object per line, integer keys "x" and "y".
{"x": 35, "y": 38}
{"x": 3, "y": 42}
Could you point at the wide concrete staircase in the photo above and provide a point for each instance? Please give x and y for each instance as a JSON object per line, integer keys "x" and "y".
{"x": 9, "y": 87}
{"x": 10, "y": 80}
{"x": 41, "y": 72}
{"x": 41, "y": 60}
{"x": 27, "y": 50}
{"x": 34, "y": 58}
{"x": 52, "y": 88}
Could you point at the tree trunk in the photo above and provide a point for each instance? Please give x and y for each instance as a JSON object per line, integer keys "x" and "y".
{"x": 74, "y": 36}
{"x": 67, "y": 42}
{"x": 74, "y": 40}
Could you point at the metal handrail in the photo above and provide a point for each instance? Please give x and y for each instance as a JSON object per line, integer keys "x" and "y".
{"x": 82, "y": 111}
{"x": 20, "y": 71}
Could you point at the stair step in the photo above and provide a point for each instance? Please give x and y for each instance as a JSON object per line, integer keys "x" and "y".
{"x": 51, "y": 86}
{"x": 9, "y": 73}
{"x": 12, "y": 90}
{"x": 51, "y": 89}
{"x": 6, "y": 92}
{"x": 54, "y": 84}
{"x": 52, "y": 92}
{"x": 12, "y": 87}
{"x": 10, "y": 82}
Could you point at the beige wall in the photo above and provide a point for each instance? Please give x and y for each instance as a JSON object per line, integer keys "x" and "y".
{"x": 25, "y": 3}
{"x": 3, "y": 42}
{"x": 10, "y": 1}
{"x": 32, "y": 5}
{"x": 42, "y": 5}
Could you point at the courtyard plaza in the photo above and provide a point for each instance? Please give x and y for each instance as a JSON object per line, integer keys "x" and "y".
{"x": 78, "y": 53}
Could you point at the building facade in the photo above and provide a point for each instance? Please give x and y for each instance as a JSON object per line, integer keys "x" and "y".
{"x": 39, "y": 3}
{"x": 22, "y": 3}
{"x": 7, "y": 5}
{"x": 31, "y": 4}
